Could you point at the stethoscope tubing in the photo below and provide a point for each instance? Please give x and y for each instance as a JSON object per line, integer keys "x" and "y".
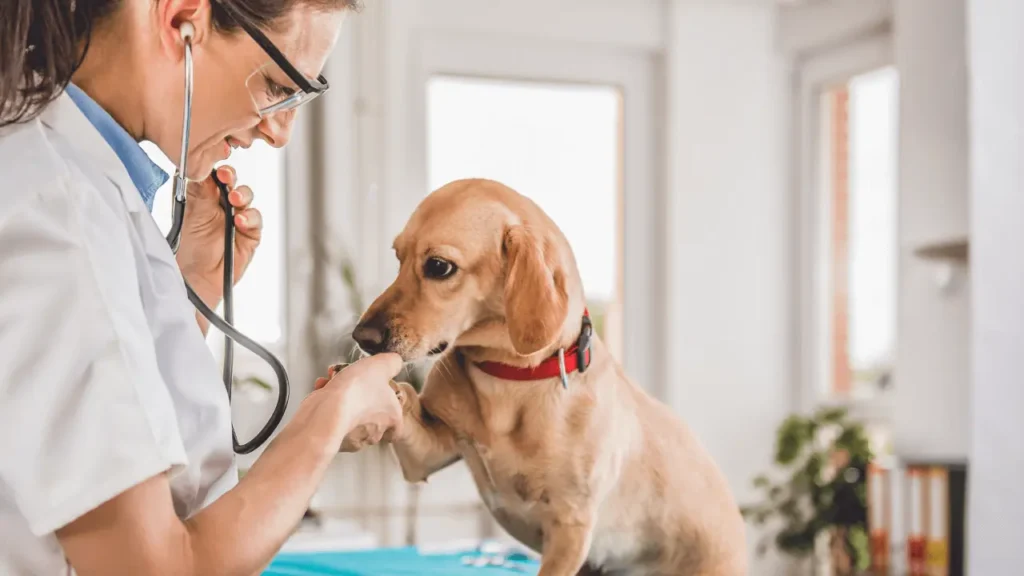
{"x": 225, "y": 324}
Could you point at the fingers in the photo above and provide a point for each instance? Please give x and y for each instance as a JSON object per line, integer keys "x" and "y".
{"x": 241, "y": 197}
{"x": 366, "y": 435}
{"x": 249, "y": 223}
{"x": 387, "y": 366}
{"x": 331, "y": 371}
{"x": 207, "y": 191}
{"x": 226, "y": 174}
{"x": 381, "y": 367}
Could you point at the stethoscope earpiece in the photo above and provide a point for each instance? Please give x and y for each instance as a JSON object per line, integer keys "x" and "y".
{"x": 187, "y": 31}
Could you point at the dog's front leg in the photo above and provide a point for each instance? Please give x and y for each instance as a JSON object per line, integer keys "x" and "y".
{"x": 566, "y": 545}
{"x": 425, "y": 444}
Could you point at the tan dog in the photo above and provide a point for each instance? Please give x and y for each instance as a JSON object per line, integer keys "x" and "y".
{"x": 597, "y": 476}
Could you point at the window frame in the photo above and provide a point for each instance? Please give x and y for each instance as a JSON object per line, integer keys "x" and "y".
{"x": 814, "y": 72}
{"x": 606, "y": 314}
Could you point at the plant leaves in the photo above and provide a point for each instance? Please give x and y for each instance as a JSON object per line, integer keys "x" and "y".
{"x": 805, "y": 503}
{"x": 860, "y": 546}
{"x": 831, "y": 415}
{"x": 253, "y": 380}
{"x": 793, "y": 435}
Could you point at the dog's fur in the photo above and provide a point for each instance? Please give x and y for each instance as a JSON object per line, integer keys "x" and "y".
{"x": 599, "y": 478}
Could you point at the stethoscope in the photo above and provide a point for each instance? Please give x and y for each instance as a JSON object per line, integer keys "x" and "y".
{"x": 223, "y": 324}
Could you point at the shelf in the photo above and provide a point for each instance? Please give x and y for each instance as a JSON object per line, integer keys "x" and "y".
{"x": 953, "y": 250}
{"x": 950, "y": 462}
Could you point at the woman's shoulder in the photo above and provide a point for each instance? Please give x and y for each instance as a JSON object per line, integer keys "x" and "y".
{"x": 30, "y": 162}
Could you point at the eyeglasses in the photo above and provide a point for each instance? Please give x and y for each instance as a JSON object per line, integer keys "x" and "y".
{"x": 268, "y": 95}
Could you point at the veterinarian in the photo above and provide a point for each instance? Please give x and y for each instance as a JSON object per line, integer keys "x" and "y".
{"x": 115, "y": 429}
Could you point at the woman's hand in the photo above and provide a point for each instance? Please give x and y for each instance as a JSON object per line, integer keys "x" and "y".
{"x": 372, "y": 409}
{"x": 201, "y": 251}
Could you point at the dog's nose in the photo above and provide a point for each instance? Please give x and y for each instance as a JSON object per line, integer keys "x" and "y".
{"x": 371, "y": 335}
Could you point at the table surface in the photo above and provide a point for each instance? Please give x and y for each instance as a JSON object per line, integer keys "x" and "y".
{"x": 389, "y": 562}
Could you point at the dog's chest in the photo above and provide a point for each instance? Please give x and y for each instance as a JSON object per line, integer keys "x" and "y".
{"x": 522, "y": 504}
{"x": 502, "y": 476}
{"x": 516, "y": 471}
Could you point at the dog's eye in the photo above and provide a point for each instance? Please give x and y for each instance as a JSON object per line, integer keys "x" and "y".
{"x": 437, "y": 268}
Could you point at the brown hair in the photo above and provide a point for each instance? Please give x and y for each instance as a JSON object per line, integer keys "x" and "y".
{"x": 43, "y": 42}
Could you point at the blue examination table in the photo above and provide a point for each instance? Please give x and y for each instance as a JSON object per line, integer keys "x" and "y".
{"x": 394, "y": 562}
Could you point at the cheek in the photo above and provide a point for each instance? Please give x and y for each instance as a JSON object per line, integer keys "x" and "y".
{"x": 437, "y": 306}
{"x": 466, "y": 303}
{"x": 221, "y": 105}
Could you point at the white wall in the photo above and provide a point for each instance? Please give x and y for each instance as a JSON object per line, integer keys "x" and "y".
{"x": 931, "y": 376}
{"x": 996, "y": 498}
{"x": 730, "y": 219}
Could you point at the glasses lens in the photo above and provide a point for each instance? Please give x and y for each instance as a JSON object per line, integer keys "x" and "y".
{"x": 273, "y": 91}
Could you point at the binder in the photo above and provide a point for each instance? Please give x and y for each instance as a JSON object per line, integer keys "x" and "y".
{"x": 898, "y": 532}
{"x": 916, "y": 507}
{"x": 879, "y": 517}
{"x": 937, "y": 537}
{"x": 929, "y": 519}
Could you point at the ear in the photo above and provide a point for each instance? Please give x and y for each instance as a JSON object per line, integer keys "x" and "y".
{"x": 536, "y": 302}
{"x": 171, "y": 14}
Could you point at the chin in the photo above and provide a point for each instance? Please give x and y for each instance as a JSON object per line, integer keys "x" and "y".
{"x": 199, "y": 171}
{"x": 200, "y": 165}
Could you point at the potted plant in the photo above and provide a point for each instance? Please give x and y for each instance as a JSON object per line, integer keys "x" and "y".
{"x": 822, "y": 494}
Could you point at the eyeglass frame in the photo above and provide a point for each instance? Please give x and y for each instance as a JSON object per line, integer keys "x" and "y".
{"x": 306, "y": 86}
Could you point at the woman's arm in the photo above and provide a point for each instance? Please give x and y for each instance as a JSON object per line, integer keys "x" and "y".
{"x": 138, "y": 533}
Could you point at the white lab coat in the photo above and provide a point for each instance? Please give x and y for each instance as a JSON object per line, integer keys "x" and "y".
{"x": 105, "y": 378}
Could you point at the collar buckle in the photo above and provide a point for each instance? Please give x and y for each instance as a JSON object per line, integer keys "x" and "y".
{"x": 583, "y": 343}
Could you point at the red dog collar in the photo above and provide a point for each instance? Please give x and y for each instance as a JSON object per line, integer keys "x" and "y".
{"x": 561, "y": 364}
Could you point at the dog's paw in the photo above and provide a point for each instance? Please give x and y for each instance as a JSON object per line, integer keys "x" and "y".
{"x": 407, "y": 396}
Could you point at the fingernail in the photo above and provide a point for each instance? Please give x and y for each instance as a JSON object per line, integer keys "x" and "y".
{"x": 242, "y": 221}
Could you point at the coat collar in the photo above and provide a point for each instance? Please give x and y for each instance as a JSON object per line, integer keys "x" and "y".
{"x": 64, "y": 117}
{"x": 145, "y": 174}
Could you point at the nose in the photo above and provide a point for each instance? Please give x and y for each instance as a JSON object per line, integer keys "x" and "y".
{"x": 276, "y": 129}
{"x": 372, "y": 335}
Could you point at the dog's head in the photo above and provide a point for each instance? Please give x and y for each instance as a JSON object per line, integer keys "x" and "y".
{"x": 481, "y": 266}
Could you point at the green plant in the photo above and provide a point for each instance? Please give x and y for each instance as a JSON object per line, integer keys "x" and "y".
{"x": 823, "y": 489}
{"x": 251, "y": 380}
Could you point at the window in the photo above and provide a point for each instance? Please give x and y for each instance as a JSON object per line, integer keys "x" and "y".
{"x": 259, "y": 296}
{"x": 858, "y": 214}
{"x": 558, "y": 144}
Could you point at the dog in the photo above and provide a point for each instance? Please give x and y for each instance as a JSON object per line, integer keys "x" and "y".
{"x": 570, "y": 456}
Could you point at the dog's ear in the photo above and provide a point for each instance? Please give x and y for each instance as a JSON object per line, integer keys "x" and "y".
{"x": 536, "y": 302}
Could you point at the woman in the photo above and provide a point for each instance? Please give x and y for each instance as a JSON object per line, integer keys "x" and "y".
{"x": 115, "y": 433}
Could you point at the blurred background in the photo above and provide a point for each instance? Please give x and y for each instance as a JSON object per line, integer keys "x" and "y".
{"x": 772, "y": 203}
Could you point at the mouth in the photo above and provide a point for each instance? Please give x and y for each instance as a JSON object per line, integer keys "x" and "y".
{"x": 439, "y": 349}
{"x": 234, "y": 143}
